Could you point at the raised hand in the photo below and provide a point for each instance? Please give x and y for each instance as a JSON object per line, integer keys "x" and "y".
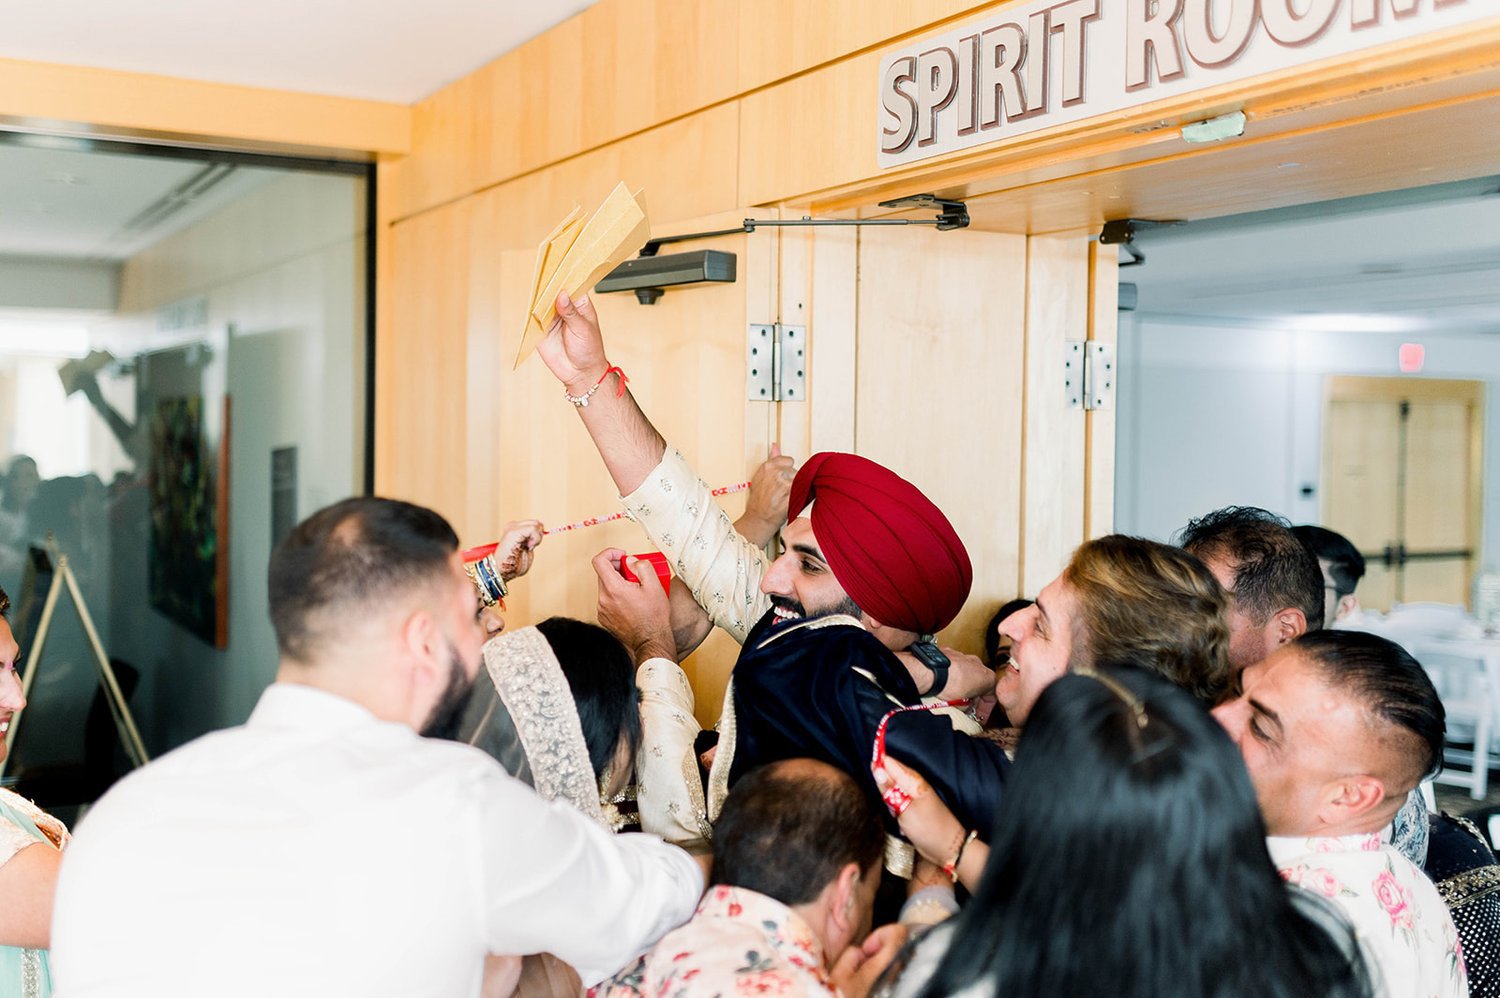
{"x": 857, "y": 969}
{"x": 637, "y": 613}
{"x": 926, "y": 820}
{"x": 518, "y": 544}
{"x": 573, "y": 348}
{"x": 765, "y": 503}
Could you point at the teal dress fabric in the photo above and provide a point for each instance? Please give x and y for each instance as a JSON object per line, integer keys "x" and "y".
{"x": 23, "y": 972}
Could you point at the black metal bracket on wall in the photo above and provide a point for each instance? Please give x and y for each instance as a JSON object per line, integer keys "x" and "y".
{"x": 627, "y": 277}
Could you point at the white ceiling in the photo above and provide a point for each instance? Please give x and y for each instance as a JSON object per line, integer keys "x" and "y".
{"x": 1366, "y": 265}
{"x": 75, "y": 204}
{"x": 387, "y": 50}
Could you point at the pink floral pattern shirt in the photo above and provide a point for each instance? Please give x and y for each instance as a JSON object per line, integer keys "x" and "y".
{"x": 737, "y": 943}
{"x": 1405, "y": 931}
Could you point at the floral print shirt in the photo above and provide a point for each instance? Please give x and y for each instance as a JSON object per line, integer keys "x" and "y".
{"x": 1404, "y": 929}
{"x": 737, "y": 943}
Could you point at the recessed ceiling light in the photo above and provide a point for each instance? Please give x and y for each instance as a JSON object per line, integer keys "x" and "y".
{"x": 66, "y": 179}
{"x": 1287, "y": 166}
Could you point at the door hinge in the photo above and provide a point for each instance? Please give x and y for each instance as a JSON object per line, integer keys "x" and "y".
{"x": 1089, "y": 374}
{"x": 776, "y": 363}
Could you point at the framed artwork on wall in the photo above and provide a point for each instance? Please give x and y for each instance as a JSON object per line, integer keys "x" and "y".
{"x": 189, "y": 488}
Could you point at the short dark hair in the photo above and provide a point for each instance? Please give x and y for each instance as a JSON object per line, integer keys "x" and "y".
{"x": 1390, "y": 684}
{"x": 4, "y": 602}
{"x": 992, "y": 632}
{"x": 601, "y": 674}
{"x": 355, "y": 553}
{"x": 788, "y": 828}
{"x": 1272, "y": 570}
{"x": 1346, "y": 566}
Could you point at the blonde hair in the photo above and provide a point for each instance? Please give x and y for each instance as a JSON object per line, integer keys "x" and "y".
{"x": 1151, "y": 603}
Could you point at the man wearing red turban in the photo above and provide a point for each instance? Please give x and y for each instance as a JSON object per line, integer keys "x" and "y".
{"x": 891, "y": 550}
{"x": 870, "y": 568}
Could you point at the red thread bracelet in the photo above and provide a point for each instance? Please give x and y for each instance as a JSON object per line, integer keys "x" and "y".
{"x": 583, "y": 400}
{"x": 951, "y": 867}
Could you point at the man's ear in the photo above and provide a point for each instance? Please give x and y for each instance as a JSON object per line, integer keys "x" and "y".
{"x": 1347, "y": 605}
{"x": 422, "y": 645}
{"x": 1287, "y": 624}
{"x": 841, "y": 907}
{"x": 891, "y": 637}
{"x": 1350, "y": 798}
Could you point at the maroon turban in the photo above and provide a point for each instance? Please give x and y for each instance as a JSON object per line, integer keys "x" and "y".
{"x": 892, "y": 550}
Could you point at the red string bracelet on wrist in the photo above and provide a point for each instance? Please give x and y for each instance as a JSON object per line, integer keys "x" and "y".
{"x": 583, "y": 400}
{"x": 951, "y": 867}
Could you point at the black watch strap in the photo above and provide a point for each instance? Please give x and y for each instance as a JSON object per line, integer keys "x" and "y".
{"x": 939, "y": 679}
{"x": 933, "y": 658}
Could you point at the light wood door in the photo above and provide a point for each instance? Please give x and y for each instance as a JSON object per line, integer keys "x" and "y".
{"x": 1402, "y": 481}
{"x": 941, "y": 355}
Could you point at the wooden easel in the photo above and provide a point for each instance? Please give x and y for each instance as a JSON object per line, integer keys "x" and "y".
{"x": 62, "y": 576}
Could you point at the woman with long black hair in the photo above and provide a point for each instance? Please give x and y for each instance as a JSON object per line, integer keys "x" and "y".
{"x": 1129, "y": 859}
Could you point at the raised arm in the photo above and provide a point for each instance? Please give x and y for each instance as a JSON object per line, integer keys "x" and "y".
{"x": 765, "y": 503}
{"x": 573, "y": 351}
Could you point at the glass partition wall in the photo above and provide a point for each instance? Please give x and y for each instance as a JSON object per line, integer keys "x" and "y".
{"x": 184, "y": 345}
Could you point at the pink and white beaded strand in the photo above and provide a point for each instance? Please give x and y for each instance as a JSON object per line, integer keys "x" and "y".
{"x": 594, "y": 521}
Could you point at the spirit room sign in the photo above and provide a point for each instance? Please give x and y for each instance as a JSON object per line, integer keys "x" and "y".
{"x": 1027, "y": 66}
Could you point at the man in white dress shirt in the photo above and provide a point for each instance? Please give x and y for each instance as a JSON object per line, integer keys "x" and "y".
{"x": 324, "y": 848}
{"x": 1336, "y": 728}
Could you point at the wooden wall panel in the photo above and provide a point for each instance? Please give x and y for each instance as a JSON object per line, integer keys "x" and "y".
{"x": 686, "y": 170}
{"x": 940, "y": 382}
{"x": 448, "y": 137}
{"x": 1057, "y": 296}
{"x": 616, "y": 69}
{"x": 665, "y": 59}
{"x": 779, "y": 38}
{"x": 809, "y": 132}
{"x": 832, "y": 340}
{"x": 421, "y": 430}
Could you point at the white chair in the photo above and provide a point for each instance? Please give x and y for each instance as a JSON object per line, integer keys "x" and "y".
{"x": 1407, "y": 622}
{"x": 1466, "y": 674}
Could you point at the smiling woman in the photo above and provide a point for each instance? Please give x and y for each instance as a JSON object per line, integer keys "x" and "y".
{"x": 31, "y": 843}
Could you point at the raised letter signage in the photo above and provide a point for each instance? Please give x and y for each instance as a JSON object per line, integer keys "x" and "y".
{"x": 1031, "y": 65}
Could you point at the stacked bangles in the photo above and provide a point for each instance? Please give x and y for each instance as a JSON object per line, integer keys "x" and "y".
{"x": 479, "y": 565}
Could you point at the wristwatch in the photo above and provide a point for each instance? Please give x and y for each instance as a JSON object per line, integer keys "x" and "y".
{"x": 931, "y": 656}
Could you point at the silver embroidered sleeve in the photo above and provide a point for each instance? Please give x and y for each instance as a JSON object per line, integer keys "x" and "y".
{"x": 722, "y": 569}
{"x": 670, "y": 790}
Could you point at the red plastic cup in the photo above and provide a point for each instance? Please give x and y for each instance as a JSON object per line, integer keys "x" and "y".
{"x": 658, "y": 561}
